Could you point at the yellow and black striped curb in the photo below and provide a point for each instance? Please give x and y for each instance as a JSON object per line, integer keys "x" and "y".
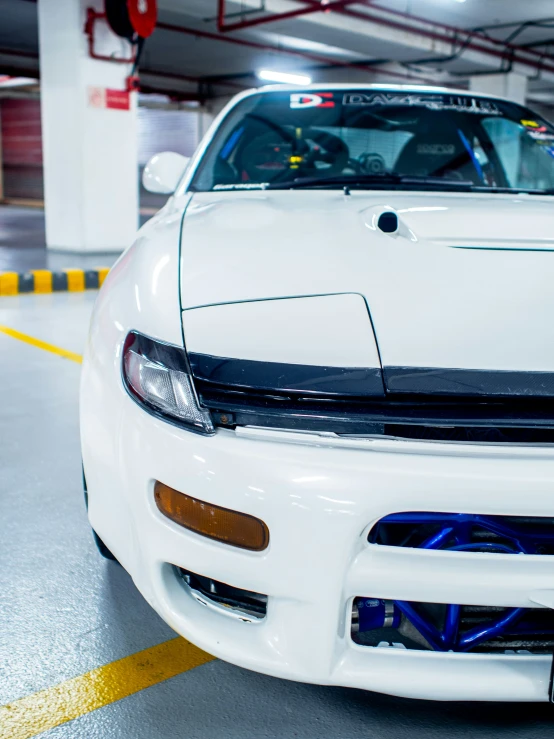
{"x": 46, "y": 281}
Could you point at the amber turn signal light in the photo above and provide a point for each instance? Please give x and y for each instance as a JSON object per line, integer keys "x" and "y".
{"x": 221, "y": 524}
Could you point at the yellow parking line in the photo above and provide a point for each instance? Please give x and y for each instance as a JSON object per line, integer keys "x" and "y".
{"x": 41, "y": 344}
{"x": 49, "y": 708}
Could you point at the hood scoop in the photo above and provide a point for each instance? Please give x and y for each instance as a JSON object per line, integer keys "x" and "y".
{"x": 388, "y": 222}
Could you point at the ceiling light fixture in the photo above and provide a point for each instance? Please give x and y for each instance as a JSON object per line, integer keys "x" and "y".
{"x": 285, "y": 77}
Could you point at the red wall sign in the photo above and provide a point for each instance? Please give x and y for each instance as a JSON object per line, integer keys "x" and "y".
{"x": 143, "y": 15}
{"x": 102, "y": 97}
{"x": 118, "y": 99}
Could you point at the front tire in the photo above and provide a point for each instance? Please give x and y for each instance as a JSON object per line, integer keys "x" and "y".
{"x": 102, "y": 548}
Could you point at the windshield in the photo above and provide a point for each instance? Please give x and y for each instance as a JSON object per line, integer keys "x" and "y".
{"x": 370, "y": 138}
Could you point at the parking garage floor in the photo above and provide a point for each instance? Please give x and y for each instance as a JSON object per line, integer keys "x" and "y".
{"x": 66, "y": 613}
{"x": 23, "y": 243}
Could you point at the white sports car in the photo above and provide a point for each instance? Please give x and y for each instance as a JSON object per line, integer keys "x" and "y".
{"x": 317, "y": 402}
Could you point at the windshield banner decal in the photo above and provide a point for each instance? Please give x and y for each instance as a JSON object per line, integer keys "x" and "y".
{"x": 460, "y": 103}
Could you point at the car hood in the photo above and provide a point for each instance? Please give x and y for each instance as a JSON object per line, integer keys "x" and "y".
{"x": 466, "y": 283}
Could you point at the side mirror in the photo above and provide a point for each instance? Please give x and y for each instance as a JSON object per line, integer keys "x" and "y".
{"x": 163, "y": 172}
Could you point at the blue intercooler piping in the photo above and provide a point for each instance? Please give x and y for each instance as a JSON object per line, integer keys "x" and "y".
{"x": 457, "y": 532}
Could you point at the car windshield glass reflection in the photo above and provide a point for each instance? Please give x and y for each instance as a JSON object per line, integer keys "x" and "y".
{"x": 370, "y": 138}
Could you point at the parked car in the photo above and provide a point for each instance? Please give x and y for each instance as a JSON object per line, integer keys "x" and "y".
{"x": 317, "y": 402}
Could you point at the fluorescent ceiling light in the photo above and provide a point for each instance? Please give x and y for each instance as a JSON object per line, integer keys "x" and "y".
{"x": 288, "y": 79}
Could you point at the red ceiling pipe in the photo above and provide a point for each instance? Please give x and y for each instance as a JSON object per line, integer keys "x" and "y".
{"x": 220, "y": 14}
{"x": 507, "y": 51}
{"x": 252, "y": 44}
{"x": 471, "y": 38}
{"x": 427, "y": 33}
{"x": 452, "y": 29}
{"x": 313, "y": 7}
{"x": 410, "y": 17}
{"x": 92, "y": 17}
{"x": 302, "y": 54}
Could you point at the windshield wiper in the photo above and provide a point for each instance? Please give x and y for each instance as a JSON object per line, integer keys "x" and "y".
{"x": 362, "y": 180}
{"x": 547, "y": 191}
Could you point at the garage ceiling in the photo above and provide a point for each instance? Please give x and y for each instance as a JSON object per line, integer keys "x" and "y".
{"x": 379, "y": 40}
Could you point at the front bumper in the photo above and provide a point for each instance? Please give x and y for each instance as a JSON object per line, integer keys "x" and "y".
{"x": 319, "y": 496}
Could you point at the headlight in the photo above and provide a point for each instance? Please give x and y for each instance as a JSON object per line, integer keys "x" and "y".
{"x": 157, "y": 377}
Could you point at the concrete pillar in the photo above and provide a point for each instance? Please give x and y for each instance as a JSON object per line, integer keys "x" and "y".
{"x": 510, "y": 85}
{"x": 89, "y": 133}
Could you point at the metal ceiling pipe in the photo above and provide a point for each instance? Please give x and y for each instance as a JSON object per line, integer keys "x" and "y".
{"x": 468, "y": 39}
{"x": 20, "y": 72}
{"x": 450, "y": 34}
{"x": 176, "y": 95}
{"x": 313, "y": 7}
{"x": 7, "y": 68}
{"x": 340, "y": 7}
{"x": 291, "y": 52}
{"x": 14, "y": 52}
{"x": 454, "y": 30}
{"x": 506, "y": 50}
{"x": 189, "y": 78}
{"x": 477, "y": 33}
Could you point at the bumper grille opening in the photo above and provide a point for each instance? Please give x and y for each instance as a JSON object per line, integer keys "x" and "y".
{"x": 237, "y": 601}
{"x": 466, "y": 532}
{"x": 442, "y": 628}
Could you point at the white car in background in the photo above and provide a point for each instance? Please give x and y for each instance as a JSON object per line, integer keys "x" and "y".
{"x": 317, "y": 402}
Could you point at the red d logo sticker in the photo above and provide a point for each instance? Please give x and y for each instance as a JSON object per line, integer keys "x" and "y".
{"x": 311, "y": 100}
